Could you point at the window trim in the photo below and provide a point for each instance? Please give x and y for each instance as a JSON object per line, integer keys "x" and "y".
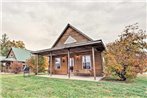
{"x": 90, "y": 62}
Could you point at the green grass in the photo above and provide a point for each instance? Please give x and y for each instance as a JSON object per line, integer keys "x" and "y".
{"x": 16, "y": 86}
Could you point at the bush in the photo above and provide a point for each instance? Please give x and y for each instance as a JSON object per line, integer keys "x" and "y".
{"x": 16, "y": 67}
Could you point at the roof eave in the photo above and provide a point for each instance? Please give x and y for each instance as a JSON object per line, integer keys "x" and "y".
{"x": 67, "y": 47}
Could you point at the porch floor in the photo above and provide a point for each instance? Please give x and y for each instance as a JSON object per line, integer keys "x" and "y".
{"x": 86, "y": 78}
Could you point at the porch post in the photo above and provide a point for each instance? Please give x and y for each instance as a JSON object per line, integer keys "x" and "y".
{"x": 48, "y": 70}
{"x": 50, "y": 64}
{"x": 37, "y": 56}
{"x": 68, "y": 66}
{"x": 93, "y": 62}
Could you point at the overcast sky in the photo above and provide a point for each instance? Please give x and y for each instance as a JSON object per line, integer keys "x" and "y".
{"x": 38, "y": 24}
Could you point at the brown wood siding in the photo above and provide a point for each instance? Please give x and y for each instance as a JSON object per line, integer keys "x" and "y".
{"x": 63, "y": 68}
{"x": 70, "y": 32}
{"x": 78, "y": 63}
{"x": 98, "y": 63}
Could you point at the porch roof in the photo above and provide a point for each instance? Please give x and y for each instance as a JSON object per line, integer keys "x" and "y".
{"x": 98, "y": 43}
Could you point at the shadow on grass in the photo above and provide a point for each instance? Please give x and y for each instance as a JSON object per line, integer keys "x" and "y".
{"x": 114, "y": 79}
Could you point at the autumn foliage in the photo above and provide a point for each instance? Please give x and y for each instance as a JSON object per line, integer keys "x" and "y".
{"x": 16, "y": 67}
{"x": 32, "y": 64}
{"x": 42, "y": 64}
{"x": 126, "y": 57}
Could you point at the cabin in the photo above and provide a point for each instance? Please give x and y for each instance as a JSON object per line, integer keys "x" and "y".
{"x": 15, "y": 55}
{"x": 74, "y": 53}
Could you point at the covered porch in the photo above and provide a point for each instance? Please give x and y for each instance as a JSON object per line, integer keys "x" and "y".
{"x": 5, "y": 64}
{"x": 75, "y": 61}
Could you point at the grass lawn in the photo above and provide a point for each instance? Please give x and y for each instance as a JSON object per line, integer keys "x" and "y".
{"x": 16, "y": 86}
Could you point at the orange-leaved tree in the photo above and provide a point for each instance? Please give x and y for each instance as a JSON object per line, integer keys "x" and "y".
{"x": 32, "y": 64}
{"x": 42, "y": 64}
{"x": 126, "y": 57}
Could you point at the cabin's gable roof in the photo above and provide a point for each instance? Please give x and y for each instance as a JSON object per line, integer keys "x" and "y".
{"x": 67, "y": 27}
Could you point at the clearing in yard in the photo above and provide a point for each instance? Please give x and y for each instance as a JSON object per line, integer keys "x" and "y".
{"x": 17, "y": 86}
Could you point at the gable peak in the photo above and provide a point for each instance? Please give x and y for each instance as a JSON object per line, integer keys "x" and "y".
{"x": 65, "y": 29}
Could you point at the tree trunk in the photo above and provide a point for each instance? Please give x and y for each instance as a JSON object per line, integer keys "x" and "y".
{"x": 122, "y": 73}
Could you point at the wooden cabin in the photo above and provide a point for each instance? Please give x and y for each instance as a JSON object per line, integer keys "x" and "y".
{"x": 74, "y": 53}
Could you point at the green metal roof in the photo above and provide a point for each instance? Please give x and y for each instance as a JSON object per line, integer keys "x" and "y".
{"x": 21, "y": 54}
{"x": 8, "y": 59}
{"x": 2, "y": 57}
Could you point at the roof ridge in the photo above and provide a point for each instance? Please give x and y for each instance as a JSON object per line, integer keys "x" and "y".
{"x": 19, "y": 48}
{"x": 80, "y": 32}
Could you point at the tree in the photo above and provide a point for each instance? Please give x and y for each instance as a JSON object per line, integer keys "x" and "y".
{"x": 126, "y": 56}
{"x": 3, "y": 43}
{"x": 32, "y": 63}
{"x": 41, "y": 63}
{"x": 17, "y": 44}
{"x": 7, "y": 44}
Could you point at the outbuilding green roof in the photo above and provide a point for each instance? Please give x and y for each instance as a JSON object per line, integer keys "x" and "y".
{"x": 2, "y": 57}
{"x": 8, "y": 59}
{"x": 21, "y": 54}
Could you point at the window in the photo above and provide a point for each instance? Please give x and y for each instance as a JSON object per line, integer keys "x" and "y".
{"x": 57, "y": 63}
{"x": 71, "y": 62}
{"x": 86, "y": 61}
{"x": 70, "y": 40}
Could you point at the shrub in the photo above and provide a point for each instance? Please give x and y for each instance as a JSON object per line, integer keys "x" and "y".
{"x": 16, "y": 67}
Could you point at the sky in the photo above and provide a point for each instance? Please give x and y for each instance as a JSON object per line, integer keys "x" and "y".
{"x": 39, "y": 23}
